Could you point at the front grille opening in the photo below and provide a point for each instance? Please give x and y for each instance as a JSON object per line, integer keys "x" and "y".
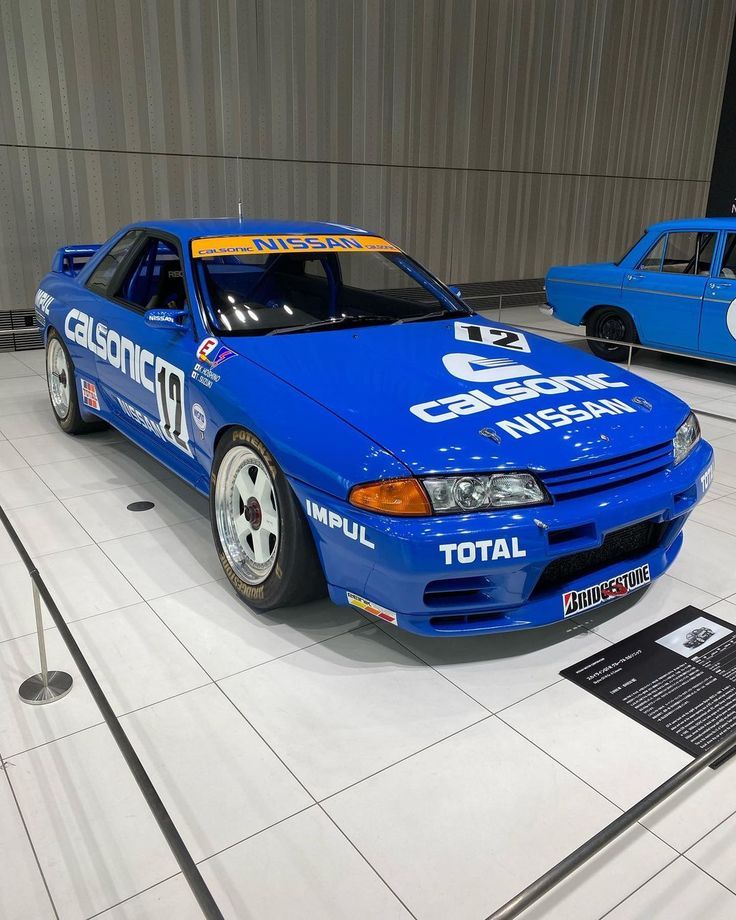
{"x": 458, "y": 592}
{"x": 456, "y": 621}
{"x": 568, "y": 534}
{"x": 618, "y": 546}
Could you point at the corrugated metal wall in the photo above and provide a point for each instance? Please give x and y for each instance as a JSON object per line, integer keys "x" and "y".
{"x": 491, "y": 138}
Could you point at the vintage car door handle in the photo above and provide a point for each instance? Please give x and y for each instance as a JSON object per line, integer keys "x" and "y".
{"x": 635, "y": 277}
{"x": 719, "y": 284}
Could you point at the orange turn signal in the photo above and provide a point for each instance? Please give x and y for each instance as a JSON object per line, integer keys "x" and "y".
{"x": 392, "y": 496}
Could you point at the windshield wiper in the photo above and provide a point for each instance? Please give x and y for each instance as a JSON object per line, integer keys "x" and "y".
{"x": 339, "y": 322}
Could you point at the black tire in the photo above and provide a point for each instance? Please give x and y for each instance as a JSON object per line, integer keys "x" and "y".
{"x": 611, "y": 323}
{"x": 70, "y": 420}
{"x": 296, "y": 575}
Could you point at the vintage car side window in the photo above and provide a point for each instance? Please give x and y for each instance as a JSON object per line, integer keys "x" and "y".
{"x": 100, "y": 278}
{"x": 689, "y": 253}
{"x": 728, "y": 269}
{"x": 652, "y": 261}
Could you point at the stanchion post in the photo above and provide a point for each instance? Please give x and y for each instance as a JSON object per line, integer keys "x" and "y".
{"x": 47, "y": 686}
{"x": 500, "y": 301}
{"x": 631, "y": 354}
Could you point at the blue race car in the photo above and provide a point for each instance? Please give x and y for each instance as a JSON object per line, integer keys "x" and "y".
{"x": 675, "y": 289}
{"x": 358, "y": 429}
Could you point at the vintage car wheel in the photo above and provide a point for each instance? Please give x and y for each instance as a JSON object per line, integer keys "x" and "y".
{"x": 262, "y": 537}
{"x": 61, "y": 381}
{"x": 611, "y": 323}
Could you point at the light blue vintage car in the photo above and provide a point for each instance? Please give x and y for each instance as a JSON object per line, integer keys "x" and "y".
{"x": 675, "y": 288}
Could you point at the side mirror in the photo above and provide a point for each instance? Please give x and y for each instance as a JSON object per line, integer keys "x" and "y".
{"x": 453, "y": 289}
{"x": 166, "y": 319}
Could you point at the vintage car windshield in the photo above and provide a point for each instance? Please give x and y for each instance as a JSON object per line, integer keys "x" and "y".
{"x": 273, "y": 292}
{"x": 630, "y": 249}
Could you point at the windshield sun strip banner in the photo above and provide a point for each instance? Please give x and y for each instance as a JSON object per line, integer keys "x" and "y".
{"x": 248, "y": 245}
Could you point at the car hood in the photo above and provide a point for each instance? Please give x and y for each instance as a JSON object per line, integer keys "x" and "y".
{"x": 471, "y": 395}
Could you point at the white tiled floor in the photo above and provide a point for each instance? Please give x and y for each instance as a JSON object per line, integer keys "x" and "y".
{"x": 318, "y": 765}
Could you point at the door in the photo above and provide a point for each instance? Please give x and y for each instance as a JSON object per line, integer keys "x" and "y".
{"x": 718, "y": 325}
{"x": 83, "y": 319}
{"x": 144, "y": 371}
{"x": 664, "y": 293}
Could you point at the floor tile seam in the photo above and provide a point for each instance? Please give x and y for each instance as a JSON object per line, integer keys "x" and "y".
{"x": 710, "y": 875}
{"x": 4, "y": 771}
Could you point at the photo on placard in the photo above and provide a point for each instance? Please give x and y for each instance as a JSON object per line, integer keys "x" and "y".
{"x": 694, "y": 637}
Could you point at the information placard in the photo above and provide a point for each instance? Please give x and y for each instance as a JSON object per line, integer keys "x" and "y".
{"x": 677, "y": 677}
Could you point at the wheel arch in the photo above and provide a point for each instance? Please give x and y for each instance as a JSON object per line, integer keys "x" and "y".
{"x": 50, "y": 327}
{"x": 221, "y": 432}
{"x": 606, "y": 306}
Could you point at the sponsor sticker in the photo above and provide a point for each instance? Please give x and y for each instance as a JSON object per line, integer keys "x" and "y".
{"x": 243, "y": 245}
{"x": 161, "y": 316}
{"x": 43, "y": 303}
{"x": 369, "y": 607}
{"x": 706, "y": 480}
{"x": 141, "y": 418}
{"x": 206, "y": 347}
{"x": 483, "y": 550}
{"x": 199, "y": 417}
{"x": 351, "y": 529}
{"x": 488, "y": 335}
{"x": 482, "y": 369}
{"x": 89, "y": 395}
{"x": 211, "y": 352}
{"x": 574, "y": 602}
{"x": 509, "y": 383}
{"x": 164, "y": 380}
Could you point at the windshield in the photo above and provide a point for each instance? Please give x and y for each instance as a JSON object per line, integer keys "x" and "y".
{"x": 296, "y": 291}
{"x": 630, "y": 249}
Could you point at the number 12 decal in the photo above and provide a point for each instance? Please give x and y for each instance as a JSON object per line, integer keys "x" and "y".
{"x": 170, "y": 401}
{"x": 487, "y": 335}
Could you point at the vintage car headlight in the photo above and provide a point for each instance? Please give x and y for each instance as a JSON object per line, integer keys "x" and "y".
{"x": 688, "y": 435}
{"x": 481, "y": 493}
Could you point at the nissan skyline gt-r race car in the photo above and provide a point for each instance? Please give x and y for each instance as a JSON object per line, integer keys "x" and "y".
{"x": 359, "y": 429}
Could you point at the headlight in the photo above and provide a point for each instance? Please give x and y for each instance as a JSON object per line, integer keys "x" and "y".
{"x": 688, "y": 435}
{"x": 481, "y": 493}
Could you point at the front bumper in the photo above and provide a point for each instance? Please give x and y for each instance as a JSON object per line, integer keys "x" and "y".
{"x": 495, "y": 571}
